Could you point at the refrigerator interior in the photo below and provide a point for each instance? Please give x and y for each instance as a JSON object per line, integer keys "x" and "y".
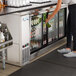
{"x": 53, "y": 29}
{"x": 61, "y": 23}
{"x": 36, "y": 32}
{"x": 43, "y": 34}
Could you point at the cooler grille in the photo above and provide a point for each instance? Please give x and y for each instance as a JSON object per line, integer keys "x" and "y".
{"x": 25, "y": 55}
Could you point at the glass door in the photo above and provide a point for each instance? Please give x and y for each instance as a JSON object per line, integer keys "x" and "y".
{"x": 53, "y": 29}
{"x": 61, "y": 23}
{"x": 36, "y": 33}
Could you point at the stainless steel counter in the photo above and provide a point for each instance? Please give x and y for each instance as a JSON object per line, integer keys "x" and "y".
{"x": 9, "y": 10}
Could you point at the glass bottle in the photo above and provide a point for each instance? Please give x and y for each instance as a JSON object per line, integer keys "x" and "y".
{"x": 2, "y": 37}
{"x": 6, "y": 35}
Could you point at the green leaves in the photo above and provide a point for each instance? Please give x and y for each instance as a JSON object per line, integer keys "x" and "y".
{"x": 48, "y": 25}
{"x": 40, "y": 20}
{"x": 44, "y": 18}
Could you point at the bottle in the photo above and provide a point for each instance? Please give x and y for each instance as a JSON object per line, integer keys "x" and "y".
{"x": 32, "y": 22}
{"x": 2, "y": 37}
{"x": 6, "y": 35}
{"x": 5, "y": 2}
{"x": 1, "y": 2}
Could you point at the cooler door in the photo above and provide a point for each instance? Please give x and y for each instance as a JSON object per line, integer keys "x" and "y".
{"x": 36, "y": 33}
{"x": 61, "y": 23}
{"x": 53, "y": 29}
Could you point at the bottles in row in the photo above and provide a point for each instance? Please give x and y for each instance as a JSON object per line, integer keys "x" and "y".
{"x": 36, "y": 32}
{"x": 33, "y": 32}
{"x": 35, "y": 21}
{"x": 18, "y": 2}
{"x": 35, "y": 44}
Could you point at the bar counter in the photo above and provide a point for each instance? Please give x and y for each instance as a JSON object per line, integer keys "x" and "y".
{"x": 10, "y": 10}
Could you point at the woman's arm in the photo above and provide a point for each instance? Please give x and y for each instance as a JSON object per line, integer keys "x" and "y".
{"x": 55, "y": 11}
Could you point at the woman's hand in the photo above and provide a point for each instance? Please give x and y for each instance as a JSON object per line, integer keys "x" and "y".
{"x": 55, "y": 11}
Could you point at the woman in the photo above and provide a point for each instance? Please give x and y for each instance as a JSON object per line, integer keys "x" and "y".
{"x": 71, "y": 29}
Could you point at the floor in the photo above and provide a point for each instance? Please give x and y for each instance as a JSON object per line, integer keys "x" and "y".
{"x": 53, "y": 64}
{"x": 8, "y": 70}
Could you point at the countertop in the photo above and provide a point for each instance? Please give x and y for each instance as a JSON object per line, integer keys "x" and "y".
{"x": 9, "y": 10}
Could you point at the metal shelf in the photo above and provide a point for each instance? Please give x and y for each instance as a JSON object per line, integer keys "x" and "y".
{"x": 5, "y": 43}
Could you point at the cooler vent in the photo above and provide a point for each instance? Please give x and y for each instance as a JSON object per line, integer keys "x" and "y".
{"x": 25, "y": 55}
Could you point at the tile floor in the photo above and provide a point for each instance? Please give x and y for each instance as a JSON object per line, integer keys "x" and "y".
{"x": 8, "y": 70}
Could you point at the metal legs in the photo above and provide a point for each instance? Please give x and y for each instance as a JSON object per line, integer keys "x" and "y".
{"x": 3, "y": 58}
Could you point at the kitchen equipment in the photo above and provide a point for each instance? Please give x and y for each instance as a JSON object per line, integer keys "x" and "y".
{"x": 22, "y": 26}
{"x": 5, "y": 36}
{"x": 5, "y": 42}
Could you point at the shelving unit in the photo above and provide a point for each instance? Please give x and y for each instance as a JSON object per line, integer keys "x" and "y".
{"x": 5, "y": 44}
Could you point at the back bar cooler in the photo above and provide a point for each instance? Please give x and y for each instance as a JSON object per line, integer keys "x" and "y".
{"x": 30, "y": 34}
